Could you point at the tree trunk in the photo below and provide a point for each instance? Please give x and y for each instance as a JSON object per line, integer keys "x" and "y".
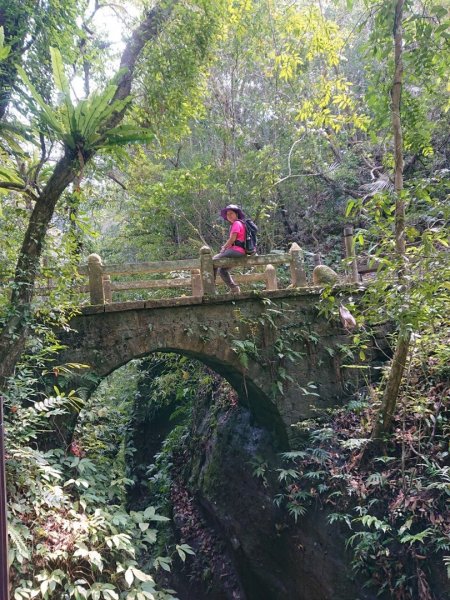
{"x": 389, "y": 401}
{"x": 391, "y": 391}
{"x": 398, "y": 134}
{"x": 14, "y": 333}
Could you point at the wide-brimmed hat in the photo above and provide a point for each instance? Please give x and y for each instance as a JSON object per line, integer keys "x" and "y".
{"x": 235, "y": 208}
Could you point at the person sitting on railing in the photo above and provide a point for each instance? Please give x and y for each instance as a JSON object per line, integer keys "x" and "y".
{"x": 234, "y": 215}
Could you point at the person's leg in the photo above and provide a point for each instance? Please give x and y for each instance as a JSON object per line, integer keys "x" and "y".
{"x": 225, "y": 273}
{"x": 226, "y": 278}
{"x": 215, "y": 269}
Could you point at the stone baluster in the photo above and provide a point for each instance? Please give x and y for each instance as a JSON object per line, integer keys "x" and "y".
{"x": 107, "y": 288}
{"x": 350, "y": 253}
{"x": 317, "y": 259}
{"x": 271, "y": 278}
{"x": 196, "y": 283}
{"x": 95, "y": 272}
{"x": 207, "y": 271}
{"x": 298, "y": 275}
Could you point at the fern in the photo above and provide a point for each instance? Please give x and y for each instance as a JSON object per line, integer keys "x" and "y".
{"x": 61, "y": 84}
{"x": 296, "y": 510}
{"x": 47, "y": 113}
{"x": 417, "y": 537}
{"x": 372, "y": 521}
{"x": 339, "y": 517}
{"x": 84, "y": 125}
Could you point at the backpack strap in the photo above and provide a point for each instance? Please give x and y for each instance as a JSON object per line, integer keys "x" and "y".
{"x": 238, "y": 242}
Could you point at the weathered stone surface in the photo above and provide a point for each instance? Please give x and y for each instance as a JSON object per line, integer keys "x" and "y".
{"x": 323, "y": 275}
{"x": 272, "y": 381}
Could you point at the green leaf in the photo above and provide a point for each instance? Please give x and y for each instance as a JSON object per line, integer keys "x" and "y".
{"x": 184, "y": 549}
{"x": 93, "y": 112}
{"x": 418, "y": 537}
{"x": 48, "y": 113}
{"x": 10, "y": 176}
{"x": 129, "y": 577}
{"x": 4, "y": 51}
{"x": 59, "y": 75}
{"x": 150, "y": 536}
{"x": 141, "y": 576}
{"x": 18, "y": 542}
{"x": 62, "y": 84}
{"x": 163, "y": 562}
{"x": 127, "y": 134}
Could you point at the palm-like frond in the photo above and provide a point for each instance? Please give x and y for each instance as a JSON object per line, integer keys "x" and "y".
{"x": 382, "y": 184}
{"x": 10, "y": 176}
{"x": 84, "y": 125}
{"x": 48, "y": 115}
{"x": 62, "y": 84}
{"x": 127, "y": 134}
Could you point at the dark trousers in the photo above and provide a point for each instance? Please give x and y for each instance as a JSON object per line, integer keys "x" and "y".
{"x": 223, "y": 272}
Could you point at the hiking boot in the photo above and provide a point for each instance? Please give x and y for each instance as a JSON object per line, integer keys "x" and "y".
{"x": 235, "y": 289}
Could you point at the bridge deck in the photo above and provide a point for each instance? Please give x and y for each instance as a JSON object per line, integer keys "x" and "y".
{"x": 199, "y": 300}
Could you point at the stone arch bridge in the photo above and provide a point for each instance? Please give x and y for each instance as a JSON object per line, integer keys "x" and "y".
{"x": 270, "y": 345}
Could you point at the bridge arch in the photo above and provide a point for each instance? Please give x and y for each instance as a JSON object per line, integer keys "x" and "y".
{"x": 210, "y": 330}
{"x": 107, "y": 340}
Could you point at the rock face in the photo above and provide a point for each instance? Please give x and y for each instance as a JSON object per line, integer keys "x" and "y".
{"x": 275, "y": 559}
{"x": 246, "y": 547}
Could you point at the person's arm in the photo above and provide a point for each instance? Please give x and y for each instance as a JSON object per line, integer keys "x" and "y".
{"x": 234, "y": 232}
{"x": 230, "y": 241}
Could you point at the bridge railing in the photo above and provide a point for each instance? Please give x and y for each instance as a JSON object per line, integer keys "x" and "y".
{"x": 196, "y": 274}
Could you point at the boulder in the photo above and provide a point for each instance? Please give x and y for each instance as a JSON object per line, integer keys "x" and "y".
{"x": 323, "y": 275}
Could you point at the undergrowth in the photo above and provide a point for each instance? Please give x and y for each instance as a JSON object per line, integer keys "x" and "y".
{"x": 71, "y": 534}
{"x": 395, "y": 507}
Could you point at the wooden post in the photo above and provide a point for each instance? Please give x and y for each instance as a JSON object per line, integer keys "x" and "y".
{"x": 298, "y": 276}
{"x": 317, "y": 259}
{"x": 207, "y": 271}
{"x": 95, "y": 269}
{"x": 350, "y": 253}
{"x": 196, "y": 283}
{"x": 271, "y": 278}
{"x": 107, "y": 288}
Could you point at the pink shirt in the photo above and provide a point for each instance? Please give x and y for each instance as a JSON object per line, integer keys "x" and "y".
{"x": 239, "y": 228}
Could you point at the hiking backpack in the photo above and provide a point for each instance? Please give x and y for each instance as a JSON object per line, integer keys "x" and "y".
{"x": 251, "y": 230}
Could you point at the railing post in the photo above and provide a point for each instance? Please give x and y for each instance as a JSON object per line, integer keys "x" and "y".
{"x": 107, "y": 288}
{"x": 350, "y": 253}
{"x": 317, "y": 259}
{"x": 196, "y": 283}
{"x": 298, "y": 276}
{"x": 207, "y": 271}
{"x": 271, "y": 278}
{"x": 95, "y": 271}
